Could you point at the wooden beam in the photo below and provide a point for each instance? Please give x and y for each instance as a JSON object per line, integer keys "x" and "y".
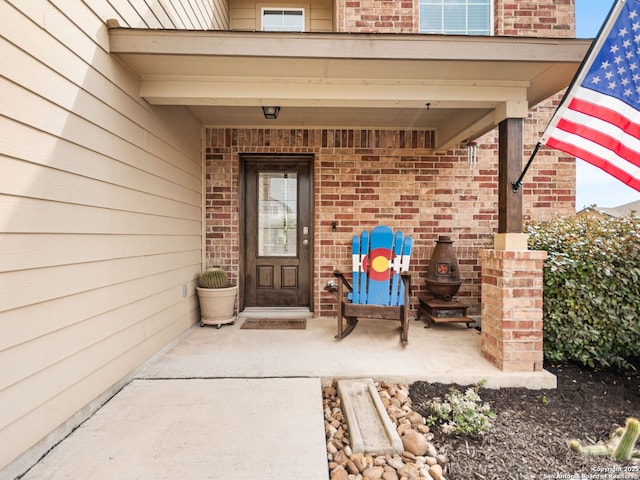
{"x": 510, "y": 153}
{"x": 348, "y": 46}
{"x": 313, "y": 92}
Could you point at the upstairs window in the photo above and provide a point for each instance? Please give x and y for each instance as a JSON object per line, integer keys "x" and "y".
{"x": 283, "y": 20}
{"x": 456, "y": 17}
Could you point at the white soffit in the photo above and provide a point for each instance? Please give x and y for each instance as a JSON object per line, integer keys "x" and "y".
{"x": 349, "y": 80}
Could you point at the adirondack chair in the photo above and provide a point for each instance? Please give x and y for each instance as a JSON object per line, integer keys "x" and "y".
{"x": 381, "y": 281}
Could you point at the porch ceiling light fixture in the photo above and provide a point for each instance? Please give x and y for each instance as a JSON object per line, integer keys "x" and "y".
{"x": 270, "y": 113}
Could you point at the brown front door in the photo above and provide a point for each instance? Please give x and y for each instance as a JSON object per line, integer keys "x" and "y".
{"x": 278, "y": 234}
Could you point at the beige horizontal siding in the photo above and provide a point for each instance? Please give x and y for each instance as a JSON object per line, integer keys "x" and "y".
{"x": 38, "y": 319}
{"x": 100, "y": 212}
{"x": 40, "y": 250}
{"x": 157, "y": 173}
{"x": 37, "y": 357}
{"x": 90, "y": 371}
{"x": 321, "y": 25}
{"x": 220, "y": 15}
{"x": 35, "y": 181}
{"x": 40, "y": 285}
{"x": 168, "y": 14}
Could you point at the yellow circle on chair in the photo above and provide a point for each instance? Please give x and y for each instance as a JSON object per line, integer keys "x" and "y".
{"x": 380, "y": 264}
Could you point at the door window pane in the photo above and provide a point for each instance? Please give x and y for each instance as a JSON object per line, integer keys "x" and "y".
{"x": 277, "y": 214}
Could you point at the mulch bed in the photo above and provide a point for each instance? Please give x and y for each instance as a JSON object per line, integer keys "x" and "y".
{"x": 530, "y": 435}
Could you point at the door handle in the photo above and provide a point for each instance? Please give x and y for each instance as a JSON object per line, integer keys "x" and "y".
{"x": 305, "y": 242}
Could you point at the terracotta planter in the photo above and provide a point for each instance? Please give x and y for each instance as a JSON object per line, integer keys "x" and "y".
{"x": 217, "y": 305}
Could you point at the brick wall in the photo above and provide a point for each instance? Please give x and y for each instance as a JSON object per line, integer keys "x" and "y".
{"x": 377, "y": 16}
{"x": 368, "y": 177}
{"x": 222, "y": 214}
{"x": 539, "y": 18}
{"x": 535, "y": 18}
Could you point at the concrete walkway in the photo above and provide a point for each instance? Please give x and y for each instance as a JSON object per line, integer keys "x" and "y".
{"x": 226, "y": 429}
{"x": 239, "y": 404}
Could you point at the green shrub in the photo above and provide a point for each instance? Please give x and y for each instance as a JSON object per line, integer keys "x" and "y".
{"x": 591, "y": 289}
{"x": 461, "y": 413}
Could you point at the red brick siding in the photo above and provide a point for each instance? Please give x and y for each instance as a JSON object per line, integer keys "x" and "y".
{"x": 539, "y": 18}
{"x": 378, "y": 16}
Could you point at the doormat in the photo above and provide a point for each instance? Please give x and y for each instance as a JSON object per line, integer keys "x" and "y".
{"x": 274, "y": 324}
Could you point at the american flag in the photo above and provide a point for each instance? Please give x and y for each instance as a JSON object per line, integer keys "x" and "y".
{"x": 599, "y": 118}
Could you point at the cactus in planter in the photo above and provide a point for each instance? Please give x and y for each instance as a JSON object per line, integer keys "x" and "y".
{"x": 620, "y": 446}
{"x": 217, "y": 298}
{"x": 214, "y": 278}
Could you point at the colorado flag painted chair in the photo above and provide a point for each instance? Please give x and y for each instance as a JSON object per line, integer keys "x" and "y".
{"x": 381, "y": 281}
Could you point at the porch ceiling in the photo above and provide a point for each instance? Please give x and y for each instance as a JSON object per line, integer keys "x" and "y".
{"x": 342, "y": 80}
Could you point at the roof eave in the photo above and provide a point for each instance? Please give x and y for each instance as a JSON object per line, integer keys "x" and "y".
{"x": 471, "y": 83}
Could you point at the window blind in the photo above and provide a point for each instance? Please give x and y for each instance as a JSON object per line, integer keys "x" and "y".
{"x": 455, "y": 17}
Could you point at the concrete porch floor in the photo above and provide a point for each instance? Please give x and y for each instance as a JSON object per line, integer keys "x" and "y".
{"x": 445, "y": 353}
{"x": 239, "y": 404}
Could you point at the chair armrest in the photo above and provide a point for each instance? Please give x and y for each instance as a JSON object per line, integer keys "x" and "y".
{"x": 340, "y": 276}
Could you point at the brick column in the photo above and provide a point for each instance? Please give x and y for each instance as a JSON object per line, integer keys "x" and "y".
{"x": 512, "y": 286}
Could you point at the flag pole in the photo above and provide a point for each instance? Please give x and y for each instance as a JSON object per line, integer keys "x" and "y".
{"x": 517, "y": 184}
{"x": 577, "y": 79}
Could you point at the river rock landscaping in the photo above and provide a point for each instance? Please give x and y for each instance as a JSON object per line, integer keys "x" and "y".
{"x": 420, "y": 460}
